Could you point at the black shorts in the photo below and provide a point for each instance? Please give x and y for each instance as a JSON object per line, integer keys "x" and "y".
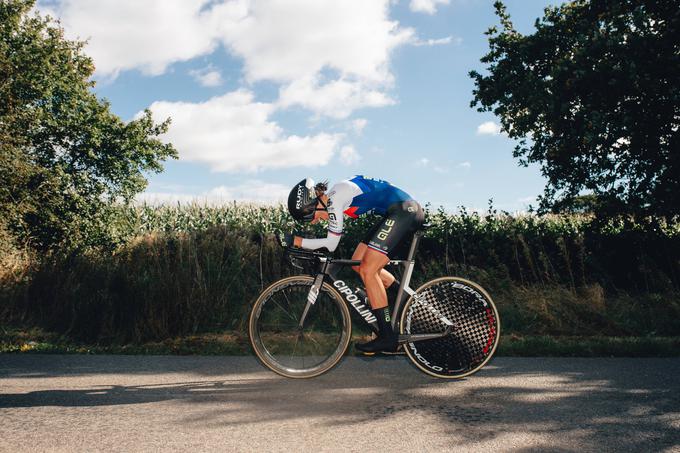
{"x": 398, "y": 225}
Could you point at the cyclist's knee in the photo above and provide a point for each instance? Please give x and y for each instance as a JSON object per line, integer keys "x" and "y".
{"x": 369, "y": 268}
{"x": 367, "y": 272}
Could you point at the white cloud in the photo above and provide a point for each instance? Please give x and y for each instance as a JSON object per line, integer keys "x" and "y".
{"x": 426, "y": 6}
{"x": 466, "y": 165}
{"x": 437, "y": 42}
{"x": 249, "y": 191}
{"x": 328, "y": 56}
{"x": 127, "y": 34}
{"x": 349, "y": 155}
{"x": 353, "y": 37}
{"x": 424, "y": 162}
{"x": 488, "y": 128}
{"x": 358, "y": 125}
{"x": 208, "y": 76}
{"x": 336, "y": 99}
{"x": 234, "y": 133}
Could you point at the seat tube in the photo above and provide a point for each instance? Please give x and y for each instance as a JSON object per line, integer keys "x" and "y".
{"x": 408, "y": 271}
{"x": 414, "y": 246}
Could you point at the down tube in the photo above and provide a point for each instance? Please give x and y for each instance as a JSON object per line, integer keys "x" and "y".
{"x": 355, "y": 301}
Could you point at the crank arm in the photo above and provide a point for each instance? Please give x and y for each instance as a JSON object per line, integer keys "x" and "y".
{"x": 424, "y": 336}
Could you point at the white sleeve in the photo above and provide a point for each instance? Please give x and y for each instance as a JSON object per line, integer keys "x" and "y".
{"x": 339, "y": 198}
{"x": 330, "y": 242}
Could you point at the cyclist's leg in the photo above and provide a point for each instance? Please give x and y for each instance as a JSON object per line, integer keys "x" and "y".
{"x": 372, "y": 263}
{"x": 384, "y": 239}
{"x": 385, "y": 276}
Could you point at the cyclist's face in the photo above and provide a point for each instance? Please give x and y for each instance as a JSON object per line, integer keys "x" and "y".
{"x": 321, "y": 214}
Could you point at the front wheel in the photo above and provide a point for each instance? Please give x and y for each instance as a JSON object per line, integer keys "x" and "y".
{"x": 288, "y": 349}
{"x": 474, "y": 334}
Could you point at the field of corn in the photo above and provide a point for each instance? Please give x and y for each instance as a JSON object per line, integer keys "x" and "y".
{"x": 182, "y": 270}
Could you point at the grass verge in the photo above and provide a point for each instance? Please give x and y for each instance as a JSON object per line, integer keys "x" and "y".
{"x": 35, "y": 340}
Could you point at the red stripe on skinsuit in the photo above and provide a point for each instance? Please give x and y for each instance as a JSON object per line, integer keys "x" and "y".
{"x": 351, "y": 212}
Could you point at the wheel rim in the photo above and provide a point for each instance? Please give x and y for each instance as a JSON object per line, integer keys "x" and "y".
{"x": 475, "y": 332}
{"x": 295, "y": 352}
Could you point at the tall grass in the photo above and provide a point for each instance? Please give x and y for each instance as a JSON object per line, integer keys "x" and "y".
{"x": 185, "y": 269}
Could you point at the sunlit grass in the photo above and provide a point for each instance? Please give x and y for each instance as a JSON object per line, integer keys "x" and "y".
{"x": 38, "y": 341}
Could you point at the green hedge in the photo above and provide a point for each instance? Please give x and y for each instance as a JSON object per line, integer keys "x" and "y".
{"x": 187, "y": 269}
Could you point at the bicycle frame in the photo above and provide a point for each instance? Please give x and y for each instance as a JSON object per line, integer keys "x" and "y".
{"x": 328, "y": 273}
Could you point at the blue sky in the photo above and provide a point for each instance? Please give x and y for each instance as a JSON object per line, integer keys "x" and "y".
{"x": 264, "y": 93}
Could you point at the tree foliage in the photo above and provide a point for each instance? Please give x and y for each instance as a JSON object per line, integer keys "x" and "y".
{"x": 64, "y": 156}
{"x": 593, "y": 96}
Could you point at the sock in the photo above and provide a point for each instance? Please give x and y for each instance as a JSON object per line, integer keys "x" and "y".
{"x": 384, "y": 321}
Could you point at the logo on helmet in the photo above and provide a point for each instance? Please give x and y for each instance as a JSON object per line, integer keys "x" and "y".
{"x": 300, "y": 195}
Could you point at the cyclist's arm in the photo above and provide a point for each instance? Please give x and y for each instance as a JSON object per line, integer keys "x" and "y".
{"x": 337, "y": 203}
{"x": 330, "y": 242}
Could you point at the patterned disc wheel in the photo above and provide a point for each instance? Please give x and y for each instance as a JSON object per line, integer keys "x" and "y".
{"x": 474, "y": 334}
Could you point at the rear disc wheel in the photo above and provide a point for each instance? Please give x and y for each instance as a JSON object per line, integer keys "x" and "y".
{"x": 474, "y": 335}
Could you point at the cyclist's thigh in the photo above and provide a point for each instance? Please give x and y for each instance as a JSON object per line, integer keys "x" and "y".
{"x": 401, "y": 221}
{"x": 358, "y": 254}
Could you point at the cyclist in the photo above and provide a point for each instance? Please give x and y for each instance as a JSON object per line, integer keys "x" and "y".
{"x": 402, "y": 215}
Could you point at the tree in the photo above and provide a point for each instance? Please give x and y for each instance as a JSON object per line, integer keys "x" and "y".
{"x": 64, "y": 157}
{"x": 593, "y": 96}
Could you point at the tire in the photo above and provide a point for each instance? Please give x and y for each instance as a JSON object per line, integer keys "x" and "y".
{"x": 281, "y": 346}
{"x": 476, "y": 329}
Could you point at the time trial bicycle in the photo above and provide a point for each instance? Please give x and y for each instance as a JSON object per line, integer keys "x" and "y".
{"x": 300, "y": 326}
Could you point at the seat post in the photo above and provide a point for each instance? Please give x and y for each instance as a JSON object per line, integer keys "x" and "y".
{"x": 414, "y": 245}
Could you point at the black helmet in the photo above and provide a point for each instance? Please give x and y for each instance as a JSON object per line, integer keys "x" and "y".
{"x": 302, "y": 200}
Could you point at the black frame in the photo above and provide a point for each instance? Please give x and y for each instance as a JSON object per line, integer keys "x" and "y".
{"x": 328, "y": 268}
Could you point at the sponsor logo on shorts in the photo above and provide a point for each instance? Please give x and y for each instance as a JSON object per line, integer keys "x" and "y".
{"x": 377, "y": 246}
{"x": 382, "y": 235}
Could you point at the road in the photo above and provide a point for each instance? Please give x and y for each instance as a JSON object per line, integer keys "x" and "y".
{"x": 169, "y": 403}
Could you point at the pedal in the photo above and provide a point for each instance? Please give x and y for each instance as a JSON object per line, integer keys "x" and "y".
{"x": 399, "y": 351}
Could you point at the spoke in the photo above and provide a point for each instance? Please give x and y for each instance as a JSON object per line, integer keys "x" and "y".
{"x": 297, "y": 338}
{"x": 284, "y": 310}
{"x": 289, "y": 304}
{"x": 317, "y": 346}
{"x": 311, "y": 337}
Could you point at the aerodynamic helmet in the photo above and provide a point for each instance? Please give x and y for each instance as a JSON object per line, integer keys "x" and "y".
{"x": 303, "y": 199}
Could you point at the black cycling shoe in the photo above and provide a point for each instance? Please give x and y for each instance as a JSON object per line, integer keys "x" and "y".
{"x": 387, "y": 340}
{"x": 382, "y": 344}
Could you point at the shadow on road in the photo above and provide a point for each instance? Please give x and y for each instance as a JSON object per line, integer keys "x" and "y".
{"x": 603, "y": 402}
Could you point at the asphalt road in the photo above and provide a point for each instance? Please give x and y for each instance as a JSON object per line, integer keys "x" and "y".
{"x": 151, "y": 403}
